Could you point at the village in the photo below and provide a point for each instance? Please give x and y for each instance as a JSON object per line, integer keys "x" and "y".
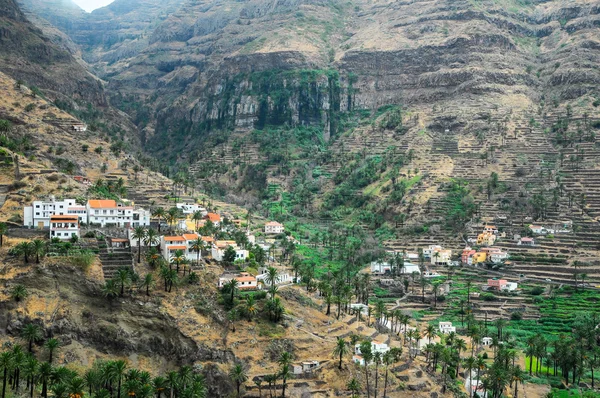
{"x": 193, "y": 236}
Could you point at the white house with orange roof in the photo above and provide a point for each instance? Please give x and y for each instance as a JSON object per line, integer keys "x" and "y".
{"x": 244, "y": 279}
{"x": 273, "y": 227}
{"x": 64, "y": 227}
{"x": 170, "y": 244}
{"x": 214, "y": 218}
{"x": 38, "y": 214}
{"x": 107, "y": 212}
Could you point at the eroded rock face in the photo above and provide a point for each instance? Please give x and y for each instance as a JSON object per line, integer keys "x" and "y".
{"x": 188, "y": 69}
{"x": 124, "y": 327}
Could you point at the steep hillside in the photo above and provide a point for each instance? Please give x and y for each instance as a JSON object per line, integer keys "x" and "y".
{"x": 370, "y": 109}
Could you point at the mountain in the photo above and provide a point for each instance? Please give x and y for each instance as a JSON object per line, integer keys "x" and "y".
{"x": 372, "y": 106}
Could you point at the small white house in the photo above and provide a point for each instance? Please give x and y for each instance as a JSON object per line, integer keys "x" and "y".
{"x": 536, "y": 229}
{"x": 486, "y": 341}
{"x": 244, "y": 279}
{"x": 191, "y": 208}
{"x": 431, "y": 274}
{"x": 64, "y": 227}
{"x": 273, "y": 227}
{"x": 219, "y": 247}
{"x": 446, "y": 327}
{"x": 509, "y": 287}
{"x": 380, "y": 267}
{"x": 282, "y": 278}
{"x": 375, "y": 347}
{"x": 498, "y": 256}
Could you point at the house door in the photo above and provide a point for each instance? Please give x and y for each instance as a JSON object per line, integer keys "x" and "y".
{"x": 40, "y": 225}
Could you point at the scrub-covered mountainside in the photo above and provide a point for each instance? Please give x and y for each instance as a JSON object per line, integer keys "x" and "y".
{"x": 401, "y": 116}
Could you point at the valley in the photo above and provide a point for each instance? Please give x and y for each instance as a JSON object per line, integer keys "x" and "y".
{"x": 299, "y": 198}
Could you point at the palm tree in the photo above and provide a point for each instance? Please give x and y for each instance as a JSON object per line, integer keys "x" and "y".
{"x": 250, "y": 307}
{"x": 118, "y": 369}
{"x": 341, "y": 349}
{"x": 470, "y": 363}
{"x": 160, "y": 384}
{"x": 6, "y": 362}
{"x": 430, "y": 332}
{"x": 424, "y": 282}
{"x": 110, "y": 290}
{"x": 389, "y": 358}
{"x": 44, "y": 373}
{"x": 124, "y": 278}
{"x": 367, "y": 354}
{"x": 517, "y": 376}
{"x": 197, "y": 217}
{"x": 51, "y": 345}
{"x": 354, "y": 387}
{"x": 173, "y": 382}
{"x": 271, "y": 277}
{"x": 238, "y": 376}
{"x": 198, "y": 246}
{"x": 18, "y": 292}
{"x": 232, "y": 286}
{"x": 159, "y": 213}
{"x": 178, "y": 257}
{"x": 148, "y": 283}
{"x": 139, "y": 233}
{"x": 31, "y": 333}
{"x": 38, "y": 248}
{"x": 285, "y": 360}
{"x": 30, "y": 370}
{"x": 152, "y": 238}
{"x": 153, "y": 256}
{"x": 3, "y": 231}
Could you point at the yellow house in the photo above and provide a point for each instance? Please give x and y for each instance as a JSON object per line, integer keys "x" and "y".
{"x": 479, "y": 257}
{"x": 486, "y": 239}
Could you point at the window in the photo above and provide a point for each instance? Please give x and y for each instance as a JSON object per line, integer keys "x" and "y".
{"x": 37, "y": 206}
{"x": 37, "y": 213}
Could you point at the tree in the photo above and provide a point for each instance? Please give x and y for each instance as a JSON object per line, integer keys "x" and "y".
{"x": 24, "y": 249}
{"x": 285, "y": 360}
{"x": 30, "y": 370}
{"x": 123, "y": 278}
{"x": 6, "y": 362}
{"x": 45, "y": 372}
{"x": 177, "y": 258}
{"x": 340, "y": 350}
{"x": 367, "y": 354}
{"x": 250, "y": 307}
{"x": 238, "y": 376}
{"x": 3, "y": 230}
{"x": 354, "y": 387}
{"x": 110, "y": 290}
{"x": 232, "y": 286}
{"x": 424, "y": 282}
{"x": 38, "y": 248}
{"x": 51, "y": 345}
{"x": 389, "y": 358}
{"x": 148, "y": 283}
{"x": 139, "y": 233}
{"x": 161, "y": 214}
{"x": 271, "y": 278}
{"x": 198, "y": 246}
{"x": 31, "y": 333}
{"x": 18, "y": 292}
{"x": 517, "y": 376}
{"x": 152, "y": 238}
{"x": 229, "y": 255}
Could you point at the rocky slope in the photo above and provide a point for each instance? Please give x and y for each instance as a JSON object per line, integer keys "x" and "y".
{"x": 199, "y": 76}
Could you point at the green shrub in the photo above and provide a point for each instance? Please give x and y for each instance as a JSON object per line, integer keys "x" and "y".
{"x": 83, "y": 260}
{"x": 536, "y": 291}
{"x": 29, "y": 107}
{"x": 516, "y": 316}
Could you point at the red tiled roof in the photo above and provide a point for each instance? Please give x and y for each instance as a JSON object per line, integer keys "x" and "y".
{"x": 101, "y": 204}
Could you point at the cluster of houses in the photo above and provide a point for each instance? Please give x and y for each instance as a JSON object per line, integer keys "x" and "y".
{"x": 376, "y": 346}
{"x": 501, "y": 285}
{"x": 486, "y": 254}
{"x": 63, "y": 218}
{"x": 247, "y": 281}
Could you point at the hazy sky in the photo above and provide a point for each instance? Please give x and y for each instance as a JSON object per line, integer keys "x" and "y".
{"x": 90, "y": 5}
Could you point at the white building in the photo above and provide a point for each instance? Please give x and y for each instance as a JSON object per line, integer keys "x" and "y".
{"x": 109, "y": 213}
{"x": 191, "y": 208}
{"x": 170, "y": 244}
{"x": 141, "y": 218}
{"x": 428, "y": 251}
{"x": 219, "y": 247}
{"x": 509, "y": 286}
{"x": 38, "y": 214}
{"x": 446, "y": 327}
{"x": 64, "y": 227}
{"x": 380, "y": 267}
{"x": 474, "y": 386}
{"x": 245, "y": 281}
{"x": 305, "y": 367}
{"x": 498, "y": 256}
{"x": 486, "y": 341}
{"x": 282, "y": 278}
{"x": 431, "y": 274}
{"x": 375, "y": 347}
{"x": 440, "y": 256}
{"x": 273, "y": 227}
